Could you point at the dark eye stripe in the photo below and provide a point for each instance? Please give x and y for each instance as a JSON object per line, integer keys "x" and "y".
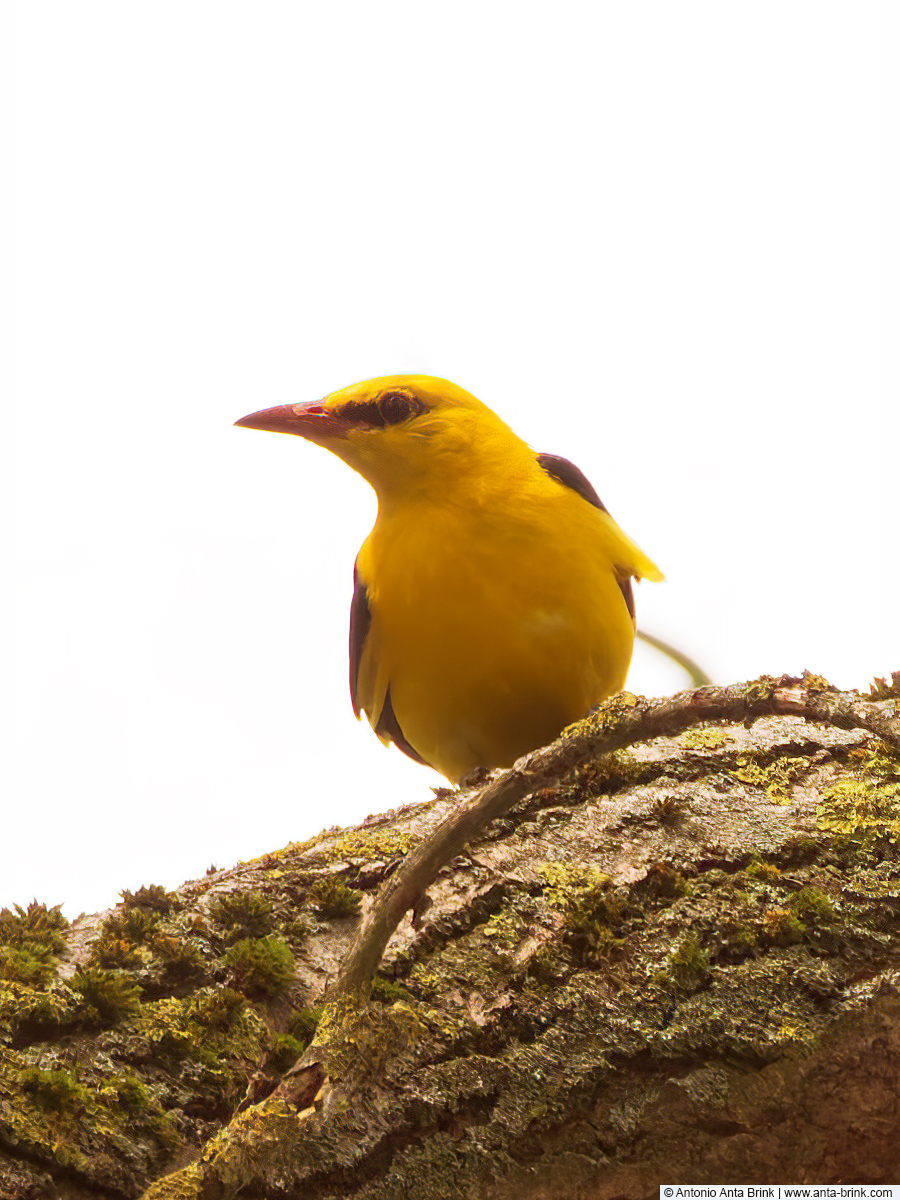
{"x": 369, "y": 412}
{"x": 363, "y": 414}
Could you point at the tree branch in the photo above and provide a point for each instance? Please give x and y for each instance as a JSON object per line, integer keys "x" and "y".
{"x": 619, "y": 722}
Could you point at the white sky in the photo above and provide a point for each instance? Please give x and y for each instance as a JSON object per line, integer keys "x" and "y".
{"x": 650, "y": 235}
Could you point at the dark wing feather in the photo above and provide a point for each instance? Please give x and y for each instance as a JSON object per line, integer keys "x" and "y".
{"x": 360, "y": 620}
{"x": 388, "y": 724}
{"x": 566, "y": 472}
{"x": 570, "y": 476}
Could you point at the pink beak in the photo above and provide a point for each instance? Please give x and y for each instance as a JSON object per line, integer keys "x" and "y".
{"x": 310, "y": 421}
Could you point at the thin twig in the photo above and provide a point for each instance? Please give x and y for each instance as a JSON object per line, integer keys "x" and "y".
{"x": 695, "y": 672}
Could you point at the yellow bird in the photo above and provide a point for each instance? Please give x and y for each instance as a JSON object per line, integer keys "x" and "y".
{"x": 492, "y": 601}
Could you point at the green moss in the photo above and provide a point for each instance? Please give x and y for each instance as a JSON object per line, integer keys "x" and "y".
{"x": 610, "y": 772}
{"x": 750, "y": 772}
{"x": 608, "y": 713}
{"x": 780, "y": 927}
{"x": 208, "y": 1040}
{"x": 244, "y": 914}
{"x": 689, "y": 965}
{"x": 107, "y": 997}
{"x": 154, "y": 897}
{"x": 105, "y": 1127}
{"x": 304, "y": 1022}
{"x": 799, "y": 850}
{"x": 388, "y": 992}
{"x": 179, "y": 956}
{"x": 35, "y": 1012}
{"x": 40, "y": 1132}
{"x": 37, "y": 927}
{"x": 260, "y": 966}
{"x": 877, "y": 761}
{"x": 775, "y": 778}
{"x": 737, "y": 937}
{"x": 663, "y": 882}
{"x": 430, "y": 982}
{"x": 284, "y": 1051}
{"x": 666, "y": 808}
{"x": 591, "y": 940}
{"x": 175, "y": 1036}
{"x": 704, "y": 737}
{"x": 547, "y": 965}
{"x": 131, "y": 937}
{"x": 122, "y": 937}
{"x": 862, "y": 809}
{"x": 593, "y": 910}
{"x": 331, "y": 898}
{"x": 33, "y": 964}
{"x": 361, "y": 1039}
{"x": 297, "y": 927}
{"x": 112, "y": 951}
{"x": 762, "y": 688}
{"x": 764, "y": 871}
{"x": 294, "y": 848}
{"x": 816, "y": 683}
{"x": 54, "y": 1091}
{"x": 213, "y": 1020}
{"x": 881, "y": 689}
{"x": 373, "y": 845}
{"x": 218, "y": 1009}
{"x": 128, "y": 1092}
{"x": 503, "y": 929}
{"x": 133, "y": 924}
{"x": 597, "y": 906}
{"x": 811, "y": 904}
{"x": 564, "y": 882}
{"x": 865, "y": 809}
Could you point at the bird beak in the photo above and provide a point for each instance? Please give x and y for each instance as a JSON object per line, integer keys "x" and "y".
{"x": 311, "y": 421}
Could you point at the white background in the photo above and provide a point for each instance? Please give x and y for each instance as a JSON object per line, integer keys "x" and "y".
{"x": 652, "y": 236}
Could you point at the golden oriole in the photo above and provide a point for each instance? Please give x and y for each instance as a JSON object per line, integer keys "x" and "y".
{"x": 492, "y": 601}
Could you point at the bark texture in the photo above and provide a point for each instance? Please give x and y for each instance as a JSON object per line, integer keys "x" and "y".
{"x": 677, "y": 963}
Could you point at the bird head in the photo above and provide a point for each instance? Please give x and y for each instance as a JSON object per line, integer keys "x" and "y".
{"x": 399, "y": 431}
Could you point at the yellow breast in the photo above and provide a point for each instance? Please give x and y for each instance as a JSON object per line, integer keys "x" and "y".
{"x": 492, "y": 629}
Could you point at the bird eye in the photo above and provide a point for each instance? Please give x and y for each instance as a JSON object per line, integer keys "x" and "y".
{"x": 395, "y": 407}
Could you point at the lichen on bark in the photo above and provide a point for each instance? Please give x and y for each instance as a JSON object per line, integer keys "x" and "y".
{"x": 664, "y": 965}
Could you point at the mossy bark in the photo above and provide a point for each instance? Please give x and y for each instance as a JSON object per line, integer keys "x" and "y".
{"x": 679, "y": 964}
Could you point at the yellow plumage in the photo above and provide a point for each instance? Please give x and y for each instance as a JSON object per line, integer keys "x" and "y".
{"x": 490, "y": 604}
